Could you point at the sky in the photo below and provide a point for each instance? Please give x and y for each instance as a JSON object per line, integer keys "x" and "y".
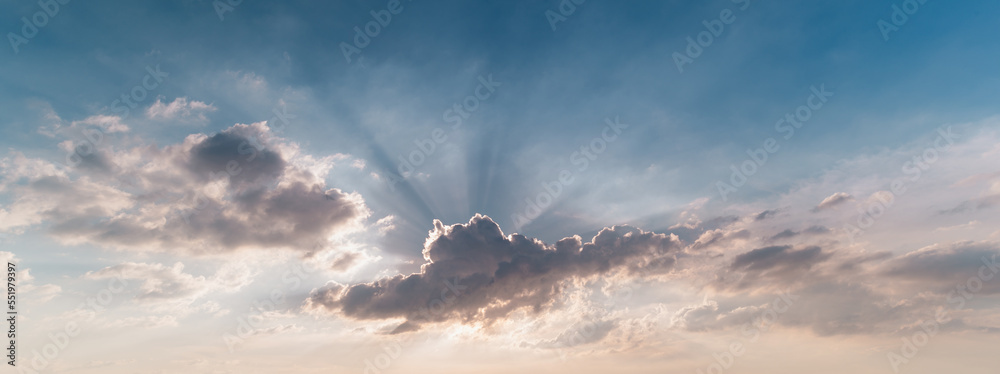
{"x": 571, "y": 186}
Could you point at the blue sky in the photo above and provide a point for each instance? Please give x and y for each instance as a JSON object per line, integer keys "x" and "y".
{"x": 558, "y": 86}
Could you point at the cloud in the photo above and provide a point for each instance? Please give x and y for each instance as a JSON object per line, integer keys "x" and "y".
{"x": 43, "y": 293}
{"x": 108, "y": 123}
{"x": 788, "y": 233}
{"x": 833, "y": 200}
{"x": 344, "y": 261}
{"x": 980, "y": 203}
{"x": 692, "y": 317}
{"x": 580, "y": 333}
{"x": 474, "y": 273}
{"x": 766, "y": 214}
{"x": 816, "y": 230}
{"x": 719, "y": 237}
{"x": 158, "y": 281}
{"x": 770, "y": 257}
{"x": 811, "y": 230}
{"x": 180, "y": 110}
{"x": 942, "y": 268}
{"x": 692, "y": 228}
{"x": 169, "y": 291}
{"x": 37, "y": 294}
{"x": 842, "y": 292}
{"x": 146, "y": 322}
{"x": 239, "y": 188}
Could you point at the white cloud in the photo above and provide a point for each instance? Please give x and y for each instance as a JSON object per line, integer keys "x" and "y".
{"x": 108, "y": 123}
{"x": 180, "y": 110}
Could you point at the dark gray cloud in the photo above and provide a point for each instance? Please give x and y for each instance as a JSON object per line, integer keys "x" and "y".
{"x": 784, "y": 256}
{"x": 475, "y": 273}
{"x": 236, "y": 154}
{"x": 769, "y": 268}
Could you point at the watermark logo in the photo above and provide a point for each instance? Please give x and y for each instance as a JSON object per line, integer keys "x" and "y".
{"x": 30, "y": 26}
{"x": 713, "y": 29}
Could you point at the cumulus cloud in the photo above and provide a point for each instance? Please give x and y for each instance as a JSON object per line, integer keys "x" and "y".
{"x": 474, "y": 273}
{"x": 180, "y": 110}
{"x": 239, "y": 188}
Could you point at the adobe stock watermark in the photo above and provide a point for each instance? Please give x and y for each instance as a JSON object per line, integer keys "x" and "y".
{"x": 550, "y": 190}
{"x": 61, "y": 339}
{"x": 914, "y": 169}
{"x": 713, "y": 30}
{"x": 225, "y": 6}
{"x": 380, "y": 20}
{"x": 392, "y": 351}
{"x": 456, "y": 115}
{"x": 281, "y": 119}
{"x": 30, "y": 27}
{"x": 928, "y": 329}
{"x": 787, "y": 126}
{"x": 899, "y": 16}
{"x": 565, "y": 9}
{"x": 751, "y": 333}
{"x": 122, "y": 107}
